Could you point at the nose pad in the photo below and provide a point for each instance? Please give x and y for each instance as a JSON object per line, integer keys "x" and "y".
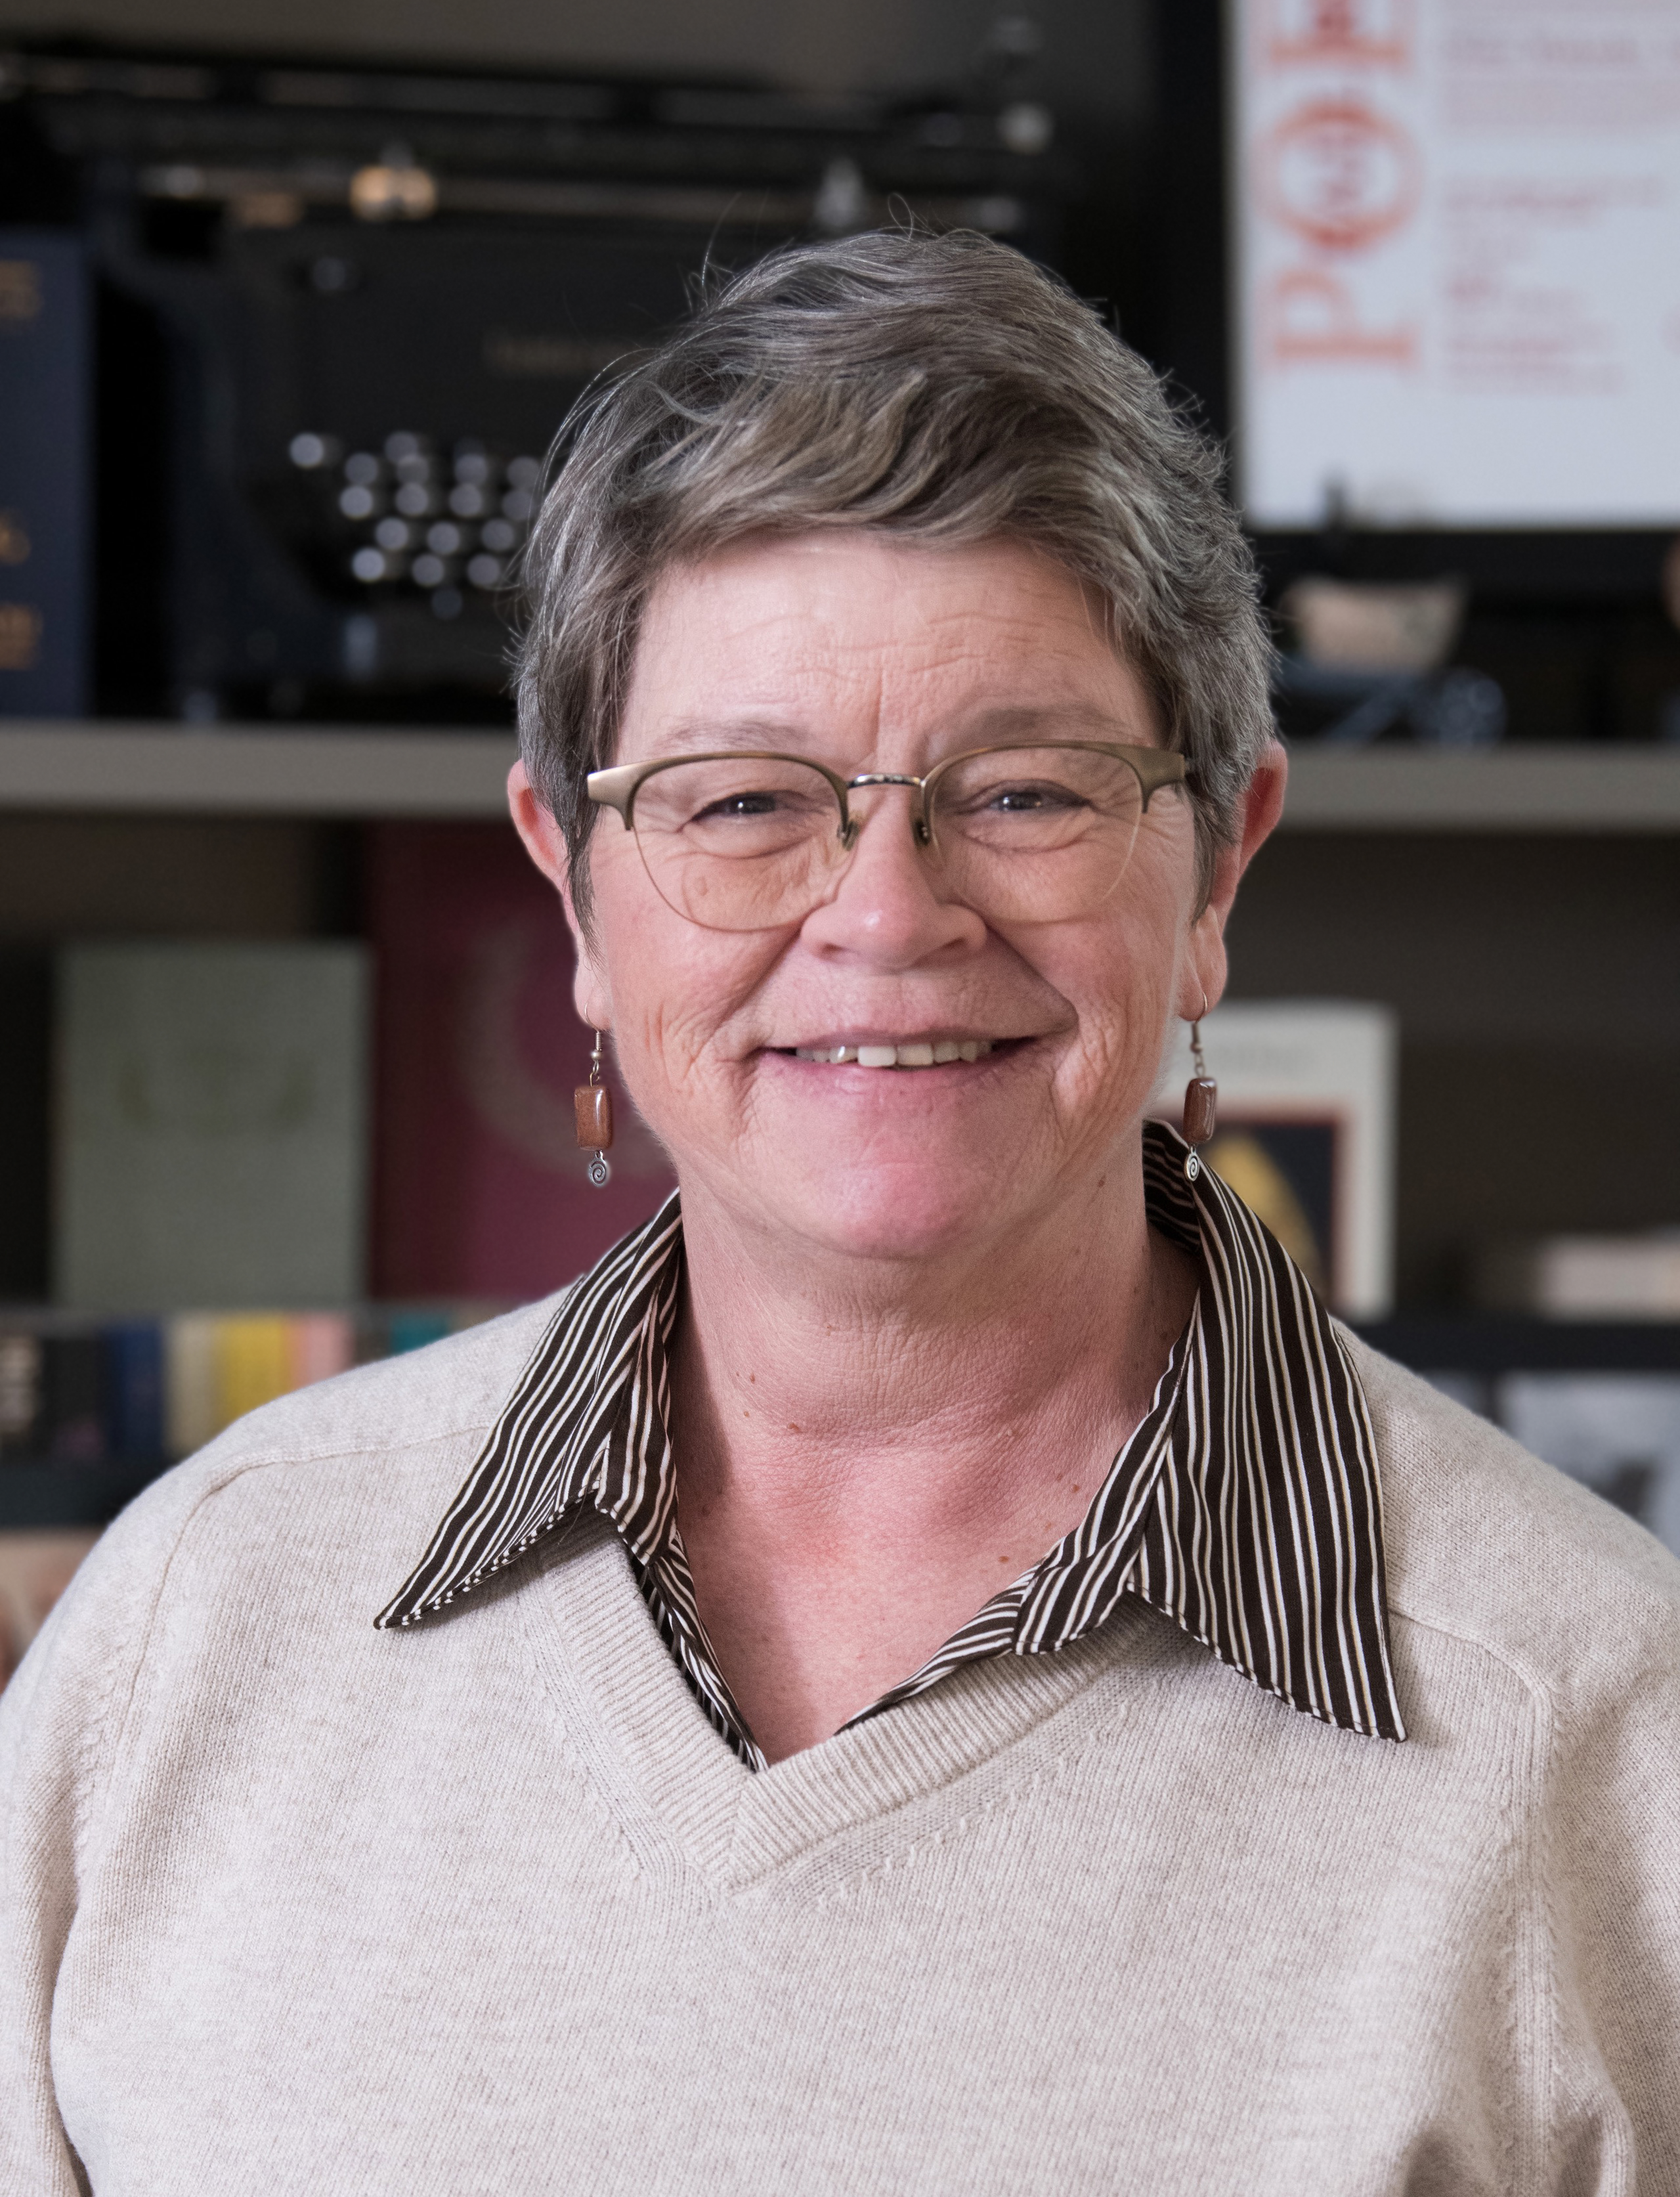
{"x": 881, "y": 812}
{"x": 876, "y": 869}
{"x": 922, "y": 836}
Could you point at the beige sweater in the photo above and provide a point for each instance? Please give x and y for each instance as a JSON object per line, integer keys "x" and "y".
{"x": 485, "y": 1906}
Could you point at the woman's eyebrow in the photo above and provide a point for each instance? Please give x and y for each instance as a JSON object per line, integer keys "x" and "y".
{"x": 710, "y": 735}
{"x": 1031, "y": 717}
{"x": 1015, "y": 722}
{"x": 1055, "y": 720}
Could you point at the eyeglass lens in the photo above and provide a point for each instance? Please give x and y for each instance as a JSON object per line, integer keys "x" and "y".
{"x": 755, "y": 843}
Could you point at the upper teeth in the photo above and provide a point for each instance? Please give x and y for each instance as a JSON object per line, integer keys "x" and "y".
{"x": 918, "y": 1055}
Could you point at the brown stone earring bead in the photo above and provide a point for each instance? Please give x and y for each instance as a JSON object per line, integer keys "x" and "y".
{"x": 593, "y": 1105}
{"x": 1200, "y": 1106}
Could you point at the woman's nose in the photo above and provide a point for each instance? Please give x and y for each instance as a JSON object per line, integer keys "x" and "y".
{"x": 889, "y": 906}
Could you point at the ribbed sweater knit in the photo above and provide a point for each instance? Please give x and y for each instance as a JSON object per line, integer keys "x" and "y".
{"x": 292, "y": 1905}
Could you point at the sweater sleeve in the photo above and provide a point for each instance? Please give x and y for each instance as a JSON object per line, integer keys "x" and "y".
{"x": 1613, "y": 1893}
{"x": 60, "y": 1720}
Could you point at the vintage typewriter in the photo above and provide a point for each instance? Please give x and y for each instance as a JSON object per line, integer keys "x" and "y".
{"x": 342, "y": 309}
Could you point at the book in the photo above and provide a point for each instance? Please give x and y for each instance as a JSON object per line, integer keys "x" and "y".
{"x": 74, "y": 1429}
{"x": 253, "y": 1361}
{"x": 46, "y": 474}
{"x": 210, "y": 1118}
{"x": 26, "y": 1083}
{"x": 479, "y": 1187}
{"x": 134, "y": 1401}
{"x": 192, "y": 1392}
{"x": 22, "y": 1359}
{"x": 1306, "y": 1134}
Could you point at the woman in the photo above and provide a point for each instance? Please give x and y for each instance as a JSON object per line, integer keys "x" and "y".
{"x": 937, "y": 1666}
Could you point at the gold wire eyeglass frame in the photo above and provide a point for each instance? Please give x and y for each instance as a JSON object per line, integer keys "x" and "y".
{"x": 617, "y": 787}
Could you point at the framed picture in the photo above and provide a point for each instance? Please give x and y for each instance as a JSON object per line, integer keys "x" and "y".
{"x": 1305, "y": 1133}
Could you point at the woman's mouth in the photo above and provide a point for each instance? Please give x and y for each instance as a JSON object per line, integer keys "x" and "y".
{"x": 913, "y": 1052}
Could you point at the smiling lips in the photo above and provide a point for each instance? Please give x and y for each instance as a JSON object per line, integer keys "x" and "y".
{"x": 920, "y": 1054}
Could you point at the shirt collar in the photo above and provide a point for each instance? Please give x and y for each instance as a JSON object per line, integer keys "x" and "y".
{"x": 1246, "y": 1506}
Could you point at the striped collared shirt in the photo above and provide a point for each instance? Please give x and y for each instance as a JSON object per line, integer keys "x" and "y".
{"x": 1244, "y": 1506}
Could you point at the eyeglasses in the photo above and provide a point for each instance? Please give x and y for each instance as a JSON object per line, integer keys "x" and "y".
{"x": 743, "y": 840}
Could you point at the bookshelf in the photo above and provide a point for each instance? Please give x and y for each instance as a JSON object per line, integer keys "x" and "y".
{"x": 349, "y": 772}
{"x": 49, "y": 1497}
{"x": 238, "y": 771}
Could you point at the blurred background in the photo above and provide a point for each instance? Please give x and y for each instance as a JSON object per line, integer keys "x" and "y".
{"x": 291, "y": 303}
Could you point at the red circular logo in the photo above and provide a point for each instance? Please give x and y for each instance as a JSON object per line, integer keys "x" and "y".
{"x": 1339, "y": 174}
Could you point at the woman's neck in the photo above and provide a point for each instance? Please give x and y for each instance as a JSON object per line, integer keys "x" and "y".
{"x": 868, "y": 1450}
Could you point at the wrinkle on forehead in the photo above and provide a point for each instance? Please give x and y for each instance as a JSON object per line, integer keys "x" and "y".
{"x": 853, "y": 648}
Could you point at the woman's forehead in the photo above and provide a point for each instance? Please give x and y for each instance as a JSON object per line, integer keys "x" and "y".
{"x": 770, "y": 634}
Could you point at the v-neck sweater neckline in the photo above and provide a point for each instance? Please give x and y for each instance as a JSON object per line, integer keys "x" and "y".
{"x": 621, "y": 1700}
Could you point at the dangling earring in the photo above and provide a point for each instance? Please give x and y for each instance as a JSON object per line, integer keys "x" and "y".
{"x": 593, "y": 1104}
{"x": 1202, "y": 1097}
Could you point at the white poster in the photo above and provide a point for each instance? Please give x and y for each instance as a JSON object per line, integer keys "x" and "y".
{"x": 1458, "y": 261}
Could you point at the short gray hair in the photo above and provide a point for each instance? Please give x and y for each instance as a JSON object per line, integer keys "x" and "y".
{"x": 941, "y": 389}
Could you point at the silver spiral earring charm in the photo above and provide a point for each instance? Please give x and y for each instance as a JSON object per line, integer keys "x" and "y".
{"x": 599, "y": 1173}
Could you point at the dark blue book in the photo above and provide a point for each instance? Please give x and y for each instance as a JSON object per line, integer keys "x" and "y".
{"x": 134, "y": 1389}
{"x": 46, "y": 474}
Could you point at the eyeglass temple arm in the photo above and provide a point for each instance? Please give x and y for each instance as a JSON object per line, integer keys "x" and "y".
{"x": 615, "y": 788}
{"x": 1156, "y": 768}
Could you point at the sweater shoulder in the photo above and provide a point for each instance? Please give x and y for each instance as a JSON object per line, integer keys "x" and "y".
{"x": 1483, "y": 1541}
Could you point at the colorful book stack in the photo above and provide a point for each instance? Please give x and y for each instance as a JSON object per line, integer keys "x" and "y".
{"x": 147, "y": 1391}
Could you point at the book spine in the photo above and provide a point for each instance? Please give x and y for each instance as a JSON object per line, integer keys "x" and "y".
{"x": 21, "y": 1396}
{"x": 191, "y": 1402}
{"x": 134, "y": 1377}
{"x": 74, "y": 1385}
{"x": 44, "y": 475}
{"x": 253, "y": 1364}
{"x": 322, "y": 1344}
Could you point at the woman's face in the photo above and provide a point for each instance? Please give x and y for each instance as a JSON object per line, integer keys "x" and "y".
{"x": 869, "y": 655}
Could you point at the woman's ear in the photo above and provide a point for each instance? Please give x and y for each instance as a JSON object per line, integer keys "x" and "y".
{"x": 1206, "y": 965}
{"x": 545, "y": 842}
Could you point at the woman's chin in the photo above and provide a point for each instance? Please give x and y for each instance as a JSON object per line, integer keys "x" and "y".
{"x": 882, "y": 1164}
{"x": 910, "y": 1207}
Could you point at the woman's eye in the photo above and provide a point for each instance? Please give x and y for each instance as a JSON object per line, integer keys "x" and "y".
{"x": 740, "y": 804}
{"x": 1029, "y": 800}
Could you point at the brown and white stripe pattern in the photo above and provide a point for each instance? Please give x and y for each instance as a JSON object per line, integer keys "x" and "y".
{"x": 1245, "y": 1506}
